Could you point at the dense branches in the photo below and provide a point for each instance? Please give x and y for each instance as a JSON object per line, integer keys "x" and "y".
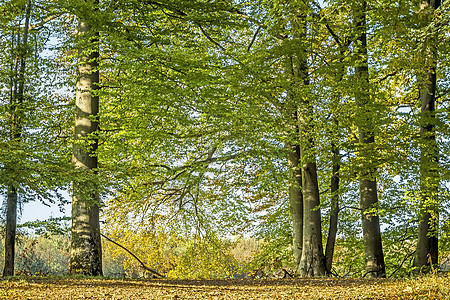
{"x": 221, "y": 118}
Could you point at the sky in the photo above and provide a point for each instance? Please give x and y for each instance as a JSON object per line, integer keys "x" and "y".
{"x": 35, "y": 210}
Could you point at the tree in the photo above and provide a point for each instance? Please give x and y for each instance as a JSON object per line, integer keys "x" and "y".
{"x": 213, "y": 119}
{"x": 16, "y": 125}
{"x": 33, "y": 165}
{"x": 334, "y": 213}
{"x": 427, "y": 252}
{"x": 312, "y": 262}
{"x": 86, "y": 252}
{"x": 289, "y": 27}
{"x": 368, "y": 185}
{"x": 334, "y": 132}
{"x": 296, "y": 201}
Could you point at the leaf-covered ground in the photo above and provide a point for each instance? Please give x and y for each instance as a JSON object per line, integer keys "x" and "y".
{"x": 95, "y": 288}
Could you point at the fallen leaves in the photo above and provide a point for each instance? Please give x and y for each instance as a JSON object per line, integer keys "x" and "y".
{"x": 323, "y": 288}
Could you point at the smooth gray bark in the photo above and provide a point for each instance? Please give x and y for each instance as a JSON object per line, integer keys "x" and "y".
{"x": 373, "y": 249}
{"x": 296, "y": 201}
{"x": 312, "y": 260}
{"x": 334, "y": 182}
{"x": 293, "y": 158}
{"x": 304, "y": 195}
{"x": 86, "y": 251}
{"x": 312, "y": 263}
{"x": 427, "y": 251}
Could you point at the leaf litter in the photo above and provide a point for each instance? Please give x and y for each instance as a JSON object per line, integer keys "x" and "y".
{"x": 430, "y": 287}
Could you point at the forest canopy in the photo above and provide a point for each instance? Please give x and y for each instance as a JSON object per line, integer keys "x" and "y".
{"x": 215, "y": 139}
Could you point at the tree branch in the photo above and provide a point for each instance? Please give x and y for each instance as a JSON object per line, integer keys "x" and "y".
{"x": 336, "y": 38}
{"x": 133, "y": 255}
{"x": 218, "y": 45}
{"x": 43, "y": 22}
{"x": 254, "y": 38}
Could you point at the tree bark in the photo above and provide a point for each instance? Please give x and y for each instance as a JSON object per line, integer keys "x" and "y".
{"x": 427, "y": 251}
{"x": 334, "y": 213}
{"x": 373, "y": 250}
{"x": 334, "y": 184}
{"x": 11, "y": 224}
{"x": 312, "y": 263}
{"x": 86, "y": 251}
{"x": 312, "y": 259}
{"x": 17, "y": 99}
{"x": 296, "y": 201}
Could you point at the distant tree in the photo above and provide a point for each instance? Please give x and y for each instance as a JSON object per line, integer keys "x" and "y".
{"x": 16, "y": 122}
{"x": 33, "y": 162}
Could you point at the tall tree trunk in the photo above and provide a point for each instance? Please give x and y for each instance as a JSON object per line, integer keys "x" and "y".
{"x": 334, "y": 213}
{"x": 296, "y": 201}
{"x": 304, "y": 195}
{"x": 293, "y": 158}
{"x": 334, "y": 184}
{"x": 86, "y": 251}
{"x": 17, "y": 112}
{"x": 312, "y": 263}
{"x": 373, "y": 249}
{"x": 10, "y": 239}
{"x": 427, "y": 251}
{"x": 312, "y": 260}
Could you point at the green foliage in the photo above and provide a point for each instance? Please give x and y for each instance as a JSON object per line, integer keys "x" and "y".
{"x": 205, "y": 258}
{"x": 273, "y": 255}
{"x": 349, "y": 257}
{"x": 51, "y": 226}
{"x": 195, "y": 116}
{"x": 35, "y": 162}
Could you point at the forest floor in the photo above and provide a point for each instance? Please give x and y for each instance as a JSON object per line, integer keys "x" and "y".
{"x": 432, "y": 287}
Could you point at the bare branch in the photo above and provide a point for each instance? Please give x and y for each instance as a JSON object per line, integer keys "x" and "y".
{"x": 254, "y": 38}
{"x": 134, "y": 256}
{"x": 43, "y": 22}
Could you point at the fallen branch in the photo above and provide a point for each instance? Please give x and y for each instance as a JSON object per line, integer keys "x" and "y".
{"x": 287, "y": 274}
{"x": 137, "y": 258}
